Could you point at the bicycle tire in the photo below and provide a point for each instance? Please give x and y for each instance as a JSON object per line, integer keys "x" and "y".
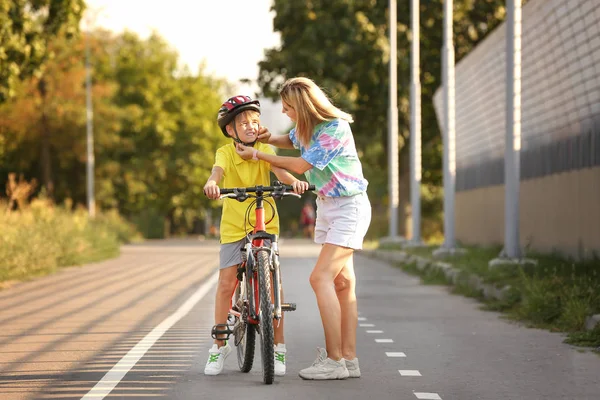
{"x": 266, "y": 317}
{"x": 246, "y": 343}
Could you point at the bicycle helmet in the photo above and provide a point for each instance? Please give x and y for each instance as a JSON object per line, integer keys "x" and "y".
{"x": 232, "y": 107}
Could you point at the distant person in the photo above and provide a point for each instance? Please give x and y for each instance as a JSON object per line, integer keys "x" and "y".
{"x": 239, "y": 119}
{"x": 307, "y": 220}
{"x": 329, "y": 160}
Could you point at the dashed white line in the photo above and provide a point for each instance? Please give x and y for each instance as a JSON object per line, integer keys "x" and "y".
{"x": 374, "y": 331}
{"x": 384, "y": 341}
{"x": 362, "y": 319}
{"x": 395, "y": 354}
{"x": 366, "y": 325}
{"x": 409, "y": 372}
{"x": 114, "y": 376}
{"x": 427, "y": 396}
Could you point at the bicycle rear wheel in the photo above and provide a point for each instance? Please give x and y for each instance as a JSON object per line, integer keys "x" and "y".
{"x": 266, "y": 317}
{"x": 243, "y": 332}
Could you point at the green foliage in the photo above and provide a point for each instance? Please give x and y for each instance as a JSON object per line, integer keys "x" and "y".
{"x": 42, "y": 238}
{"x": 344, "y": 46}
{"x": 154, "y": 130}
{"x": 26, "y": 29}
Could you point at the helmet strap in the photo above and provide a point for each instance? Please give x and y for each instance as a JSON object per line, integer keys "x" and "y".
{"x": 238, "y": 140}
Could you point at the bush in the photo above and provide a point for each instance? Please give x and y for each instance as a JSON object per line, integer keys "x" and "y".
{"x": 43, "y": 237}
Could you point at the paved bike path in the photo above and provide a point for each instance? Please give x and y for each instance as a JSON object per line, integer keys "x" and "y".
{"x": 443, "y": 346}
{"x": 446, "y": 348}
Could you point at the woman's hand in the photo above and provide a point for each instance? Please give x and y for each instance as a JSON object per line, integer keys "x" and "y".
{"x": 245, "y": 152}
{"x": 263, "y": 135}
{"x": 211, "y": 190}
{"x": 300, "y": 187}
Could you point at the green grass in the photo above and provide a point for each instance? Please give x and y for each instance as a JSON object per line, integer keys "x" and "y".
{"x": 556, "y": 294}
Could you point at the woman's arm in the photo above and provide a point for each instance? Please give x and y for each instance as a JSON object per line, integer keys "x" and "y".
{"x": 295, "y": 164}
{"x": 281, "y": 141}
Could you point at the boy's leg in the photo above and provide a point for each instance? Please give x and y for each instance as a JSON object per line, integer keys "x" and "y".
{"x": 225, "y": 288}
{"x": 279, "y": 341}
{"x": 220, "y": 349}
{"x": 278, "y": 327}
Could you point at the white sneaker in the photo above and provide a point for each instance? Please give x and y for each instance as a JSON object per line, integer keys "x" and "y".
{"x": 216, "y": 359}
{"x": 280, "y": 359}
{"x": 353, "y": 368}
{"x": 325, "y": 368}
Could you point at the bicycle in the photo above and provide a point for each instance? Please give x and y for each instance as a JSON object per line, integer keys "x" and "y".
{"x": 254, "y": 305}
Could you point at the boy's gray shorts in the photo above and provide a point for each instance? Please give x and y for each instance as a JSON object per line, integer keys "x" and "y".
{"x": 230, "y": 254}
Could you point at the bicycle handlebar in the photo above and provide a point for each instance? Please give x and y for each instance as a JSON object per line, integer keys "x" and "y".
{"x": 262, "y": 189}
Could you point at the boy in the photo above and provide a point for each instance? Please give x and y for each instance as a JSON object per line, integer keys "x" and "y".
{"x": 239, "y": 119}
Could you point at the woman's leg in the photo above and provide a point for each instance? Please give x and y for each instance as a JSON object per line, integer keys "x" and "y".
{"x": 225, "y": 287}
{"x": 330, "y": 263}
{"x": 345, "y": 285}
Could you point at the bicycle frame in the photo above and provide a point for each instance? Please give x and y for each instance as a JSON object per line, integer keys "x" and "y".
{"x": 258, "y": 291}
{"x": 256, "y": 244}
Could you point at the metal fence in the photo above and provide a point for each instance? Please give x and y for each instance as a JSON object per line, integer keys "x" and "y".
{"x": 560, "y": 96}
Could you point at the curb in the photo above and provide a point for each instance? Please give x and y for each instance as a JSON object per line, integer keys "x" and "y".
{"x": 455, "y": 276}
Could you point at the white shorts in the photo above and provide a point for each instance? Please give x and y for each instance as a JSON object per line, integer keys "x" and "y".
{"x": 343, "y": 221}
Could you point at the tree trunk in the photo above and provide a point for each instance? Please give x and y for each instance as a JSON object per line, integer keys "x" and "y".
{"x": 45, "y": 157}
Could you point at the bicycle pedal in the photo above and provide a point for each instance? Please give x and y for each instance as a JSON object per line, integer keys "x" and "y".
{"x": 288, "y": 307}
{"x": 219, "y": 330}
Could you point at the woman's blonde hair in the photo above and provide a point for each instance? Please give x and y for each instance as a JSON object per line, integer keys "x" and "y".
{"x": 311, "y": 104}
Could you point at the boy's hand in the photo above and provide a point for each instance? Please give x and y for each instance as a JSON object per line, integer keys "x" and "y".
{"x": 211, "y": 190}
{"x": 244, "y": 151}
{"x": 300, "y": 187}
{"x": 263, "y": 135}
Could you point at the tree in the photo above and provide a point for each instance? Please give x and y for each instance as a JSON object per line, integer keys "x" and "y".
{"x": 343, "y": 45}
{"x": 27, "y": 27}
{"x": 155, "y": 132}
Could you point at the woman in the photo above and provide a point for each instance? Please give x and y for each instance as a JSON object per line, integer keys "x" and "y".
{"x": 329, "y": 160}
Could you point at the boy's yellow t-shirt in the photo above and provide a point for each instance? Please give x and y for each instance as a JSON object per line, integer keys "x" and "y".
{"x": 238, "y": 173}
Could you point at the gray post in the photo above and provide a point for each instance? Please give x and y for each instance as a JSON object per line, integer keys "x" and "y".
{"x": 91, "y": 202}
{"x": 512, "y": 149}
{"x": 415, "y": 125}
{"x": 393, "y": 125}
{"x": 449, "y": 134}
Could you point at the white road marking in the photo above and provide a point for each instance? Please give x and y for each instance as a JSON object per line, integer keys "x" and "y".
{"x": 366, "y": 325}
{"x": 114, "y": 376}
{"x": 427, "y": 396}
{"x": 409, "y": 372}
{"x": 384, "y": 341}
{"x": 374, "y": 331}
{"x": 362, "y": 319}
{"x": 395, "y": 354}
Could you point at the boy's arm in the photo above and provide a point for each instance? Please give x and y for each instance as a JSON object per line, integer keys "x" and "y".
{"x": 211, "y": 188}
{"x": 285, "y": 177}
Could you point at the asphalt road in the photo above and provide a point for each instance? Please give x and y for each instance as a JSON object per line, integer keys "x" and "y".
{"x": 138, "y": 327}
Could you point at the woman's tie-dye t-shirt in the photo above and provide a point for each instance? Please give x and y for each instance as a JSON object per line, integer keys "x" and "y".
{"x": 337, "y": 170}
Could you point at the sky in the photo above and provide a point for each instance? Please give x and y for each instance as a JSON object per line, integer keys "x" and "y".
{"x": 228, "y": 36}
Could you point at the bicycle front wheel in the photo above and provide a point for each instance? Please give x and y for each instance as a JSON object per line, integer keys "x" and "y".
{"x": 266, "y": 317}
